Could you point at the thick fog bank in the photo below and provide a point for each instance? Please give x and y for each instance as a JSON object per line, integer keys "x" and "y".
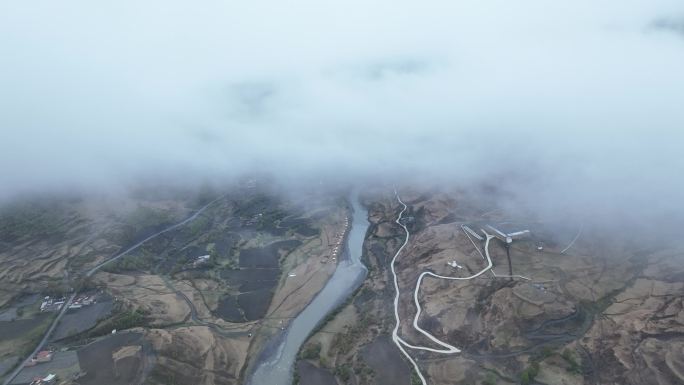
{"x": 569, "y": 106}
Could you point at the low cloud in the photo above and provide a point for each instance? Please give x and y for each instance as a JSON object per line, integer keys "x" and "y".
{"x": 573, "y": 104}
{"x": 669, "y": 25}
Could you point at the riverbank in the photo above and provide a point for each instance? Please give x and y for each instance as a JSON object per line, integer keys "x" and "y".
{"x": 276, "y": 362}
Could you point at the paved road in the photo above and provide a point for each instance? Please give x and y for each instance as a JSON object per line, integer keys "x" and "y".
{"x": 401, "y": 343}
{"x": 483, "y": 257}
{"x": 449, "y": 348}
{"x": 573, "y": 241}
{"x": 89, "y": 273}
{"x": 395, "y": 336}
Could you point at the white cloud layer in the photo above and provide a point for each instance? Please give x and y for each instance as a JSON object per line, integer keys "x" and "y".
{"x": 583, "y": 98}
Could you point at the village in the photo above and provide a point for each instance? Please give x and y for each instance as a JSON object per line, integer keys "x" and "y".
{"x": 43, "y": 356}
{"x": 56, "y": 363}
{"x": 50, "y": 304}
{"x": 338, "y": 241}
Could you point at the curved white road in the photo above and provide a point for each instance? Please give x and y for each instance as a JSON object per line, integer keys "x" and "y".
{"x": 401, "y": 344}
{"x": 483, "y": 257}
{"x": 579, "y": 232}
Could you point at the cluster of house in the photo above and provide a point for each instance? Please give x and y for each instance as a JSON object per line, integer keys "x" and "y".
{"x": 55, "y": 304}
{"x": 339, "y": 238}
{"x": 52, "y": 304}
{"x": 82, "y": 300}
{"x": 41, "y": 356}
{"x": 47, "y": 380}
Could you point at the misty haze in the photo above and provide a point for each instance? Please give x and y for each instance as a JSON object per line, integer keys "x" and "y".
{"x": 342, "y": 193}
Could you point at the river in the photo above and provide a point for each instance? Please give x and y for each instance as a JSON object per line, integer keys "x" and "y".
{"x": 276, "y": 363}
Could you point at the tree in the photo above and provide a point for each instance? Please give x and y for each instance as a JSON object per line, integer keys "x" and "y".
{"x": 490, "y": 380}
{"x": 525, "y": 378}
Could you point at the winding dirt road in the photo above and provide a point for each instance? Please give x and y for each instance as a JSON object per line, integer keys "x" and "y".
{"x": 401, "y": 343}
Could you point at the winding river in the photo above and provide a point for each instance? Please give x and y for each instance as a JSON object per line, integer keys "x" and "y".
{"x": 277, "y": 362}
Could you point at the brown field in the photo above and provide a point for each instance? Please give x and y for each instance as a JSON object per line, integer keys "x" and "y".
{"x": 196, "y": 355}
{"x": 103, "y": 363}
{"x": 147, "y": 292}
